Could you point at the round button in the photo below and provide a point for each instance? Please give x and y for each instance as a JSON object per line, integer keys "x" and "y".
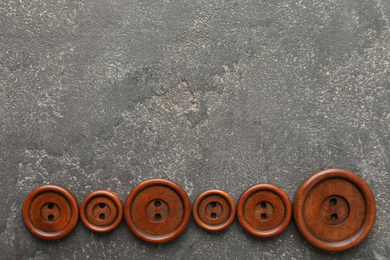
{"x": 264, "y": 210}
{"x": 334, "y": 209}
{"x": 50, "y": 212}
{"x": 214, "y": 210}
{"x": 101, "y": 211}
{"x": 157, "y": 210}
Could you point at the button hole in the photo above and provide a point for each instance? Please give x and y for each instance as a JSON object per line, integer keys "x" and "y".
{"x": 51, "y": 206}
{"x": 213, "y": 215}
{"x": 263, "y": 216}
{"x": 51, "y": 217}
{"x": 263, "y": 205}
{"x": 213, "y": 204}
{"x": 332, "y": 202}
{"x": 157, "y": 216}
{"x": 102, "y": 216}
{"x": 333, "y": 217}
{"x": 102, "y": 205}
{"x": 157, "y": 203}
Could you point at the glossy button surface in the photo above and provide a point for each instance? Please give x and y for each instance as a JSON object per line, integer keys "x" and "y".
{"x": 157, "y": 210}
{"x": 50, "y": 212}
{"x": 334, "y": 209}
{"x": 101, "y": 211}
{"x": 264, "y": 210}
{"x": 214, "y": 210}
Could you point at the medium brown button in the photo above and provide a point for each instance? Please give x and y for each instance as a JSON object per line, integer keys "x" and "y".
{"x": 264, "y": 210}
{"x": 157, "y": 210}
{"x": 101, "y": 211}
{"x": 50, "y": 212}
{"x": 214, "y": 210}
{"x": 334, "y": 209}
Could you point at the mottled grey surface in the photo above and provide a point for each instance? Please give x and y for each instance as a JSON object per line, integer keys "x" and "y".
{"x": 104, "y": 94}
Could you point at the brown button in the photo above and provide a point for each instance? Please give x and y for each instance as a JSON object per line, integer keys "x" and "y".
{"x": 50, "y": 212}
{"x": 157, "y": 210}
{"x": 264, "y": 210}
{"x": 214, "y": 210}
{"x": 334, "y": 209}
{"x": 101, "y": 211}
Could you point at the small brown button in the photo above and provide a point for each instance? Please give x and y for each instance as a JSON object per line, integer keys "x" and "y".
{"x": 50, "y": 212}
{"x": 157, "y": 210}
{"x": 334, "y": 209}
{"x": 264, "y": 210}
{"x": 101, "y": 211}
{"x": 214, "y": 210}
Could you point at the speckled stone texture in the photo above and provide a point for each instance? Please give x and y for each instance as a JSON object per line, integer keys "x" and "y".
{"x": 104, "y": 94}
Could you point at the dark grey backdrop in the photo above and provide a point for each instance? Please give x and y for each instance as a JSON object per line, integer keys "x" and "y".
{"x": 104, "y": 94}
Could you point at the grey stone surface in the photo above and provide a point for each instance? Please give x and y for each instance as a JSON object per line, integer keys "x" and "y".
{"x": 104, "y": 94}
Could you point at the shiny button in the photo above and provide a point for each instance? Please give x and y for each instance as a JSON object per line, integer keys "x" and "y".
{"x": 264, "y": 210}
{"x": 157, "y": 210}
{"x": 334, "y": 209}
{"x": 50, "y": 212}
{"x": 214, "y": 210}
{"x": 101, "y": 211}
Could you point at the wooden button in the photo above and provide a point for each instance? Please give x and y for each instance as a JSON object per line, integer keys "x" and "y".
{"x": 50, "y": 212}
{"x": 334, "y": 209}
{"x": 157, "y": 210}
{"x": 101, "y": 211}
{"x": 214, "y": 210}
{"x": 264, "y": 210}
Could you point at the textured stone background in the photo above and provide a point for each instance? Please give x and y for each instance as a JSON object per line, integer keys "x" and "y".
{"x": 104, "y": 94}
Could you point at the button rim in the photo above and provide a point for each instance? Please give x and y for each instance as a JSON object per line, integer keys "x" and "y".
{"x": 101, "y": 193}
{"x": 61, "y": 191}
{"x": 209, "y": 227}
{"x": 264, "y": 187}
{"x": 305, "y": 189}
{"x": 166, "y": 237}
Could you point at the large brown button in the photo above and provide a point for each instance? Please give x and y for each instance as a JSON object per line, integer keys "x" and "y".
{"x": 334, "y": 209}
{"x": 157, "y": 210}
{"x": 214, "y": 210}
{"x": 264, "y": 210}
{"x": 50, "y": 212}
{"x": 101, "y": 211}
